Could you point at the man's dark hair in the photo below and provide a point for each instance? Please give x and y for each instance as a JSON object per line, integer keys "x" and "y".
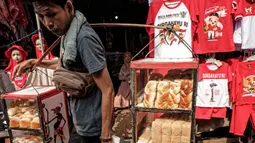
{"x": 57, "y": 2}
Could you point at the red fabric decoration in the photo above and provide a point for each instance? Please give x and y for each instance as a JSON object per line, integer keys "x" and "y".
{"x": 19, "y": 81}
{"x": 38, "y": 51}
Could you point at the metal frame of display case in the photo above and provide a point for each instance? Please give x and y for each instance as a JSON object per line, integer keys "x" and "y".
{"x": 170, "y": 65}
{"x": 39, "y": 132}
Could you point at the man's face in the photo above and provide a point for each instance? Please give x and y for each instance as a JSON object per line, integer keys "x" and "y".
{"x": 213, "y": 20}
{"x": 54, "y": 17}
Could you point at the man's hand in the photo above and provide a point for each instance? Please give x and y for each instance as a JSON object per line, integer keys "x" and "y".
{"x": 23, "y": 67}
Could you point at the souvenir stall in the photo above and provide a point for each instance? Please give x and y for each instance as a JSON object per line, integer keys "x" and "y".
{"x": 220, "y": 33}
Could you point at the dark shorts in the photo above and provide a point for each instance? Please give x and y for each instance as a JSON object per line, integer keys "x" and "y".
{"x": 76, "y": 138}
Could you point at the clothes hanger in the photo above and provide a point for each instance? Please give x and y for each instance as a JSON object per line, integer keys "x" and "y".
{"x": 251, "y": 57}
{"x": 215, "y": 64}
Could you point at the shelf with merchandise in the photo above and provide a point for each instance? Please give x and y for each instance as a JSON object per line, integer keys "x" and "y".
{"x": 34, "y": 131}
{"x": 164, "y": 86}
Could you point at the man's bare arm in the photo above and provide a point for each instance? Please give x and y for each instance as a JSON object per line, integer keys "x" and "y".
{"x": 28, "y": 64}
{"x": 104, "y": 82}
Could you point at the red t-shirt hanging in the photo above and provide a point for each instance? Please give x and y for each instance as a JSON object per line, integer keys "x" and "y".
{"x": 215, "y": 28}
{"x": 245, "y": 83}
{"x": 245, "y": 14}
{"x": 179, "y": 13}
{"x": 232, "y": 63}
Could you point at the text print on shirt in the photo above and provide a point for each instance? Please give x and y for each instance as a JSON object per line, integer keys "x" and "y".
{"x": 249, "y": 86}
{"x": 213, "y": 26}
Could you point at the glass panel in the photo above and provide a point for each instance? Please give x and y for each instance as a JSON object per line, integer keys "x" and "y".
{"x": 23, "y": 113}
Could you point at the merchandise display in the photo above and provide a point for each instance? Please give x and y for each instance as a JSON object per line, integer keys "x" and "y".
{"x": 16, "y": 54}
{"x": 167, "y": 87}
{"x": 168, "y": 129}
{"x": 38, "y": 109}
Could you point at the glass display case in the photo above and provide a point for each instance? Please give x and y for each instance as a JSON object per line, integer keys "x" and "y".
{"x": 164, "y": 86}
{"x": 40, "y": 111}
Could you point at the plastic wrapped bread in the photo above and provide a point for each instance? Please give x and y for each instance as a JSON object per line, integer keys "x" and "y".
{"x": 150, "y": 93}
{"x": 177, "y": 131}
{"x": 186, "y": 93}
{"x": 167, "y": 131}
{"x": 186, "y": 132}
{"x": 157, "y": 130}
{"x": 163, "y": 100}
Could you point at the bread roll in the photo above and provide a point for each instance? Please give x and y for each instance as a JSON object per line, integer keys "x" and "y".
{"x": 175, "y": 93}
{"x": 163, "y": 100}
{"x": 25, "y": 123}
{"x": 186, "y": 94}
{"x": 14, "y": 122}
{"x": 13, "y": 111}
{"x": 150, "y": 92}
{"x": 35, "y": 123}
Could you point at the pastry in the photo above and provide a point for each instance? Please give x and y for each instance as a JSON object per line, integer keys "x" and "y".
{"x": 14, "y": 122}
{"x": 25, "y": 123}
{"x": 163, "y": 100}
{"x": 186, "y": 94}
{"x": 13, "y": 111}
{"x": 35, "y": 123}
{"x": 150, "y": 93}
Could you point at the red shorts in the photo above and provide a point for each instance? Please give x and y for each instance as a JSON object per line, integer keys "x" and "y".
{"x": 207, "y": 112}
{"x": 240, "y": 117}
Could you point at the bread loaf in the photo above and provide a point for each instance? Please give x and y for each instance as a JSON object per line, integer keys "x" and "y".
{"x": 167, "y": 131}
{"x": 150, "y": 93}
{"x": 176, "y": 131}
{"x": 186, "y": 132}
{"x": 186, "y": 94}
{"x": 175, "y": 93}
{"x": 163, "y": 100}
{"x": 157, "y": 130}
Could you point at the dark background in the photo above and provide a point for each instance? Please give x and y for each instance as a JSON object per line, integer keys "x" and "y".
{"x": 115, "y": 39}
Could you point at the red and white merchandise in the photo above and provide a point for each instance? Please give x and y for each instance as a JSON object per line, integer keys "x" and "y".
{"x": 215, "y": 27}
{"x": 245, "y": 83}
{"x": 244, "y": 30}
{"x": 181, "y": 14}
{"x": 244, "y": 97}
{"x": 212, "y": 94}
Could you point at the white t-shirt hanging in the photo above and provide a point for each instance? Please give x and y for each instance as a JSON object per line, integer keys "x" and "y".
{"x": 245, "y": 14}
{"x": 178, "y": 13}
{"x": 213, "y": 86}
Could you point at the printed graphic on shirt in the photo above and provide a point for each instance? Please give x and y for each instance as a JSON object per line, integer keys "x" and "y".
{"x": 213, "y": 27}
{"x": 249, "y": 86}
{"x": 248, "y": 10}
{"x": 168, "y": 45}
{"x": 213, "y": 93}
